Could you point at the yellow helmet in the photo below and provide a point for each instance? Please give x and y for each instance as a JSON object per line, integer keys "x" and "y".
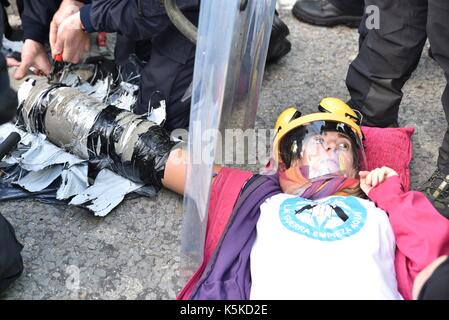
{"x": 332, "y": 109}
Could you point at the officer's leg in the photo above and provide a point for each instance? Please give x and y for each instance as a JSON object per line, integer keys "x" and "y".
{"x": 8, "y": 98}
{"x": 165, "y": 78}
{"x": 438, "y": 33}
{"x": 178, "y": 111}
{"x": 437, "y": 187}
{"x": 387, "y": 57}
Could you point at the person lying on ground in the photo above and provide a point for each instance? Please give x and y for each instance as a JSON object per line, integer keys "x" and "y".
{"x": 319, "y": 226}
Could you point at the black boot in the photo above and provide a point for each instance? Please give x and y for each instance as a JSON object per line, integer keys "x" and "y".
{"x": 324, "y": 13}
{"x": 436, "y": 190}
{"x": 279, "y": 46}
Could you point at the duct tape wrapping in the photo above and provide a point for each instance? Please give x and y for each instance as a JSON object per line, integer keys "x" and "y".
{"x": 69, "y": 118}
{"x": 151, "y": 151}
{"x": 137, "y": 147}
{"x": 134, "y": 147}
{"x": 33, "y": 108}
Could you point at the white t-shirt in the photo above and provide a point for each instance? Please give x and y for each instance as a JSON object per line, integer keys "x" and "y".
{"x": 333, "y": 248}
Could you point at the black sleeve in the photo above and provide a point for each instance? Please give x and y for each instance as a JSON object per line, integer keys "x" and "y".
{"x": 437, "y": 286}
{"x": 11, "y": 264}
{"x": 135, "y": 19}
{"x": 36, "y": 18}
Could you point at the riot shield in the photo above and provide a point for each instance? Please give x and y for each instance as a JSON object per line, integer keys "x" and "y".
{"x": 233, "y": 37}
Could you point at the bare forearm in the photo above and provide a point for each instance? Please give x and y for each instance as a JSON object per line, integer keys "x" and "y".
{"x": 176, "y": 170}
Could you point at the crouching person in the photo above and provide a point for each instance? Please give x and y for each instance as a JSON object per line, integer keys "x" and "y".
{"x": 11, "y": 264}
{"x": 318, "y": 227}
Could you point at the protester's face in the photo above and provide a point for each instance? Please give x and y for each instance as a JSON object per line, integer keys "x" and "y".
{"x": 328, "y": 153}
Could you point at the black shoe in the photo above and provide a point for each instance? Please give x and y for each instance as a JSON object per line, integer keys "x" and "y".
{"x": 436, "y": 190}
{"x": 279, "y": 46}
{"x": 324, "y": 13}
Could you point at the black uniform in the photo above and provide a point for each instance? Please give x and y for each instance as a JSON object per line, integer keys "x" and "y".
{"x": 140, "y": 25}
{"x": 388, "y": 56}
{"x": 8, "y": 97}
{"x": 11, "y": 263}
{"x": 349, "y": 6}
{"x": 437, "y": 285}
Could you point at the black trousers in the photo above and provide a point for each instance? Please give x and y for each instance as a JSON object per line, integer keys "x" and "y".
{"x": 8, "y": 98}
{"x": 11, "y": 264}
{"x": 388, "y": 56}
{"x": 437, "y": 285}
{"x": 162, "y": 77}
{"x": 177, "y": 78}
{"x": 354, "y": 7}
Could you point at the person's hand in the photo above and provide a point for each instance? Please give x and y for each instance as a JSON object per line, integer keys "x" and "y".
{"x": 71, "y": 41}
{"x": 33, "y": 56}
{"x": 370, "y": 179}
{"x": 66, "y": 9}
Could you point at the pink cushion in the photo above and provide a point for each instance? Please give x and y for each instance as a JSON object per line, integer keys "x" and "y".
{"x": 391, "y": 147}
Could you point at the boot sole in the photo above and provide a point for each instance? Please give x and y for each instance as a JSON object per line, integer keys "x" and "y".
{"x": 349, "y": 21}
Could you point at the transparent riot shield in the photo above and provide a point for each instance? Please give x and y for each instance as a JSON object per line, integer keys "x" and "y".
{"x": 233, "y": 37}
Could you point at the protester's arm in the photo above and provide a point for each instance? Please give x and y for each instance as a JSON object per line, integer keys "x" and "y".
{"x": 175, "y": 170}
{"x": 422, "y": 233}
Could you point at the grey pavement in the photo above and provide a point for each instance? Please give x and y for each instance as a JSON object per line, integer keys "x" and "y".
{"x": 133, "y": 252}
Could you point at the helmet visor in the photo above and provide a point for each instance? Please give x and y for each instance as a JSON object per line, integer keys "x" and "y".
{"x": 324, "y": 148}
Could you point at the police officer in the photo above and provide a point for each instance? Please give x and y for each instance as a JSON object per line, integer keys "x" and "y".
{"x": 386, "y": 59}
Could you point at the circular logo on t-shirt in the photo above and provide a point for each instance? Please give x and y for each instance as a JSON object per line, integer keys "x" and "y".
{"x": 330, "y": 219}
